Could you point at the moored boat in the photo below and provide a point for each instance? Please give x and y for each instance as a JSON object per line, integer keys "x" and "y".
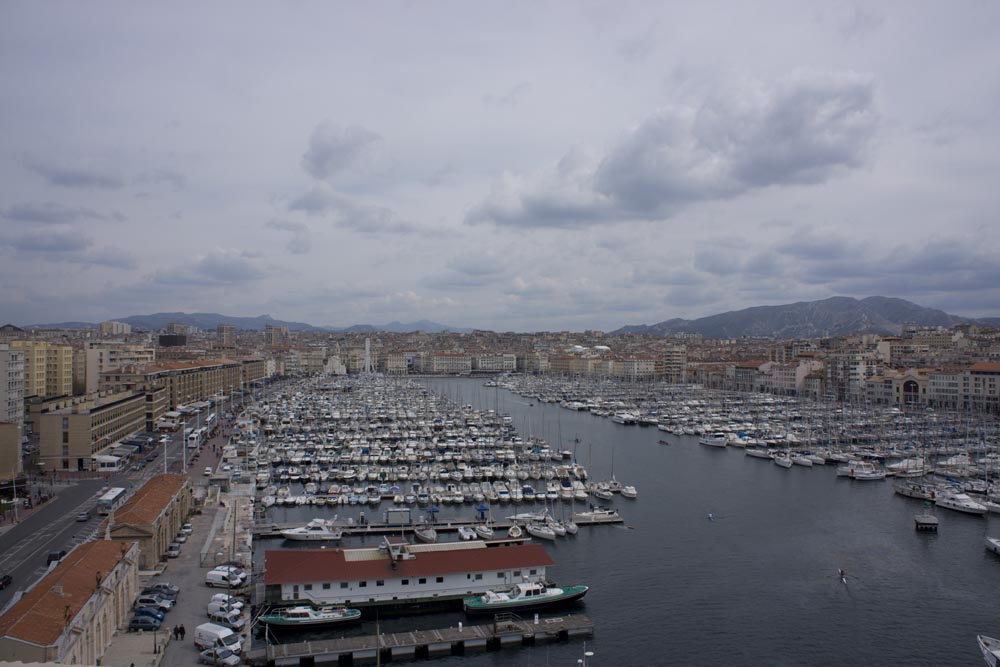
{"x": 960, "y": 502}
{"x": 990, "y": 649}
{"x": 524, "y": 596}
{"x": 993, "y": 544}
{"x": 306, "y": 616}
{"x": 317, "y": 530}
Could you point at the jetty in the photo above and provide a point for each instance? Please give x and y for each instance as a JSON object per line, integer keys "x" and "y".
{"x": 506, "y": 631}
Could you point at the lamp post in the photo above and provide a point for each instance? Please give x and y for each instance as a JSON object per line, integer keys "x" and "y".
{"x": 586, "y": 654}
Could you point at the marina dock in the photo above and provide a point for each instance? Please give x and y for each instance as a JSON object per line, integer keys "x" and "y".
{"x": 506, "y": 631}
{"x": 263, "y": 530}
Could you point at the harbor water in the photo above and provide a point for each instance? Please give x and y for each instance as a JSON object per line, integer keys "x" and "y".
{"x": 728, "y": 559}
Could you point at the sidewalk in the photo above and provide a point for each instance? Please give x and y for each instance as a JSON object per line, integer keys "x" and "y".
{"x": 136, "y": 649}
{"x": 22, "y": 514}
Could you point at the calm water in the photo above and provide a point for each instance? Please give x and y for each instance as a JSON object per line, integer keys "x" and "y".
{"x": 755, "y": 586}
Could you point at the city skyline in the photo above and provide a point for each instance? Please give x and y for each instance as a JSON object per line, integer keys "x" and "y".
{"x": 527, "y": 167}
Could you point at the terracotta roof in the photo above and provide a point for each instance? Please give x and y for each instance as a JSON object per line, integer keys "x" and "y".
{"x": 299, "y": 565}
{"x": 149, "y": 501}
{"x": 40, "y": 616}
{"x": 985, "y": 366}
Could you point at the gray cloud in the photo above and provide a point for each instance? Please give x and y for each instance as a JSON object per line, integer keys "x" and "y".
{"x": 804, "y": 130}
{"x": 219, "y": 267}
{"x": 56, "y": 242}
{"x": 174, "y": 179}
{"x": 347, "y": 213}
{"x": 509, "y": 98}
{"x": 298, "y": 244}
{"x": 53, "y": 213}
{"x": 73, "y": 174}
{"x": 468, "y": 271}
{"x": 333, "y": 148}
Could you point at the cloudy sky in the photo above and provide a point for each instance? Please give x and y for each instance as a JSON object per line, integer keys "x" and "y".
{"x": 512, "y": 166}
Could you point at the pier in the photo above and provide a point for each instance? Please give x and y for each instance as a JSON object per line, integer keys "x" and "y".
{"x": 267, "y": 529}
{"x": 506, "y": 631}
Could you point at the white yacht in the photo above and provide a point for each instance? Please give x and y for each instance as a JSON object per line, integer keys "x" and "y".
{"x": 718, "y": 439}
{"x": 960, "y": 502}
{"x": 317, "y": 530}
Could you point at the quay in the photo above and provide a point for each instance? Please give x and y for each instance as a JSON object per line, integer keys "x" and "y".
{"x": 507, "y": 630}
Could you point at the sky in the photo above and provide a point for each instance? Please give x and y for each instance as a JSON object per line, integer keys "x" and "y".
{"x": 518, "y": 166}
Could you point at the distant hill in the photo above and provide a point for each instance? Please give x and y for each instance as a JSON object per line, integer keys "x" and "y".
{"x": 836, "y": 316}
{"x": 209, "y": 321}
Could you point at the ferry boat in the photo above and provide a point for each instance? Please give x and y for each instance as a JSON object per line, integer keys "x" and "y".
{"x": 310, "y": 617}
{"x": 525, "y": 596}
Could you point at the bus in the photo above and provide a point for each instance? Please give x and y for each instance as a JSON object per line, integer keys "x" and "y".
{"x": 112, "y": 499}
{"x": 210, "y": 424}
{"x": 197, "y": 438}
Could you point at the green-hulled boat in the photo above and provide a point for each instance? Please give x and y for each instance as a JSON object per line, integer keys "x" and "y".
{"x": 306, "y": 616}
{"x": 528, "y": 595}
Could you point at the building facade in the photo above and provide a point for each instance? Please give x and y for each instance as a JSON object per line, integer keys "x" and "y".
{"x": 48, "y": 368}
{"x": 72, "y": 433}
{"x": 153, "y": 517}
{"x": 70, "y": 616}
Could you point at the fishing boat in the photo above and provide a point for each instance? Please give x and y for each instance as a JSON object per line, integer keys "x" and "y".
{"x": 993, "y": 544}
{"x": 317, "y": 530}
{"x": 525, "y": 596}
{"x": 990, "y": 648}
{"x": 306, "y": 616}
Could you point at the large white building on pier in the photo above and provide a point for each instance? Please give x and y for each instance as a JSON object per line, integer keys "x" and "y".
{"x": 398, "y": 573}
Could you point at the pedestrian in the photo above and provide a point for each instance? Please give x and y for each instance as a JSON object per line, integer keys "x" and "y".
{"x": 177, "y": 632}
{"x": 183, "y": 632}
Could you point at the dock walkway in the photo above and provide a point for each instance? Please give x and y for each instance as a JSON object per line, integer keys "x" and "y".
{"x": 507, "y": 631}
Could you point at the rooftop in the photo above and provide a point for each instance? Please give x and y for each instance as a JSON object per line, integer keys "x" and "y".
{"x": 149, "y": 501}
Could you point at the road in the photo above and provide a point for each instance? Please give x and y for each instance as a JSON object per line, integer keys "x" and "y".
{"x": 25, "y": 547}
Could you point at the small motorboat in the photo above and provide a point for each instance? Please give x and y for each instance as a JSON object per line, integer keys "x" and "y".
{"x": 629, "y": 491}
{"x": 425, "y": 534}
{"x": 317, "y": 530}
{"x": 990, "y": 648}
{"x": 993, "y": 544}
{"x": 466, "y": 533}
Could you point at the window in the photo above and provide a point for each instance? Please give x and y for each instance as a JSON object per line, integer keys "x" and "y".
{"x": 479, "y": 577}
{"x": 326, "y": 586}
{"x": 532, "y": 572}
{"x": 362, "y": 584}
{"x": 308, "y": 587}
{"x": 499, "y": 575}
{"x": 422, "y": 580}
{"x": 517, "y": 573}
{"x": 380, "y": 582}
{"x": 343, "y": 584}
{"x": 440, "y": 580}
{"x": 405, "y": 582}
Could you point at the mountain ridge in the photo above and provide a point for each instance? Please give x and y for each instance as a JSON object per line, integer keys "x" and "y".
{"x": 834, "y": 316}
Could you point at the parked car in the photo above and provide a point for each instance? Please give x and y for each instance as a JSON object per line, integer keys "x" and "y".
{"x": 54, "y": 556}
{"x": 228, "y": 619}
{"x": 215, "y": 606}
{"x": 5, "y": 581}
{"x": 219, "y": 657}
{"x": 174, "y": 550}
{"x": 165, "y": 587}
{"x": 225, "y": 598}
{"x": 150, "y": 612}
{"x": 187, "y": 529}
{"x": 143, "y": 623}
{"x": 167, "y": 595}
{"x": 154, "y": 601}
{"x": 83, "y": 516}
{"x": 181, "y": 538}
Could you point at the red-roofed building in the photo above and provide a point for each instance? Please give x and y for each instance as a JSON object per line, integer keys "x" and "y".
{"x": 153, "y": 517}
{"x": 400, "y": 574}
{"x": 70, "y": 615}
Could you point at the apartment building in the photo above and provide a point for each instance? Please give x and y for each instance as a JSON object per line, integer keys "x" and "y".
{"x": 451, "y": 363}
{"x": 48, "y": 368}
{"x": 11, "y": 385}
{"x": 103, "y": 356}
{"x": 499, "y": 362}
{"x": 225, "y": 336}
{"x": 115, "y": 328}
{"x": 74, "y": 432}
{"x": 70, "y": 616}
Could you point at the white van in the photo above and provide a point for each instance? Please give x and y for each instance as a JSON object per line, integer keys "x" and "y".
{"x": 222, "y": 579}
{"x": 229, "y": 619}
{"x": 210, "y": 635}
